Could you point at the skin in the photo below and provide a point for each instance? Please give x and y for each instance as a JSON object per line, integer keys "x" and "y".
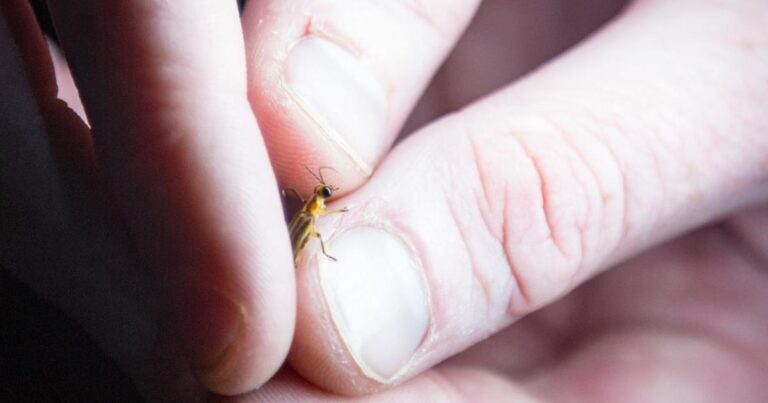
{"x": 640, "y": 156}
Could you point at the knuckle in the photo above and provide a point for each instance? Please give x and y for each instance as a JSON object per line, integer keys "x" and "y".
{"x": 544, "y": 196}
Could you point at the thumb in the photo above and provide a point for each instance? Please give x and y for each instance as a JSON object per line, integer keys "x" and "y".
{"x": 499, "y": 209}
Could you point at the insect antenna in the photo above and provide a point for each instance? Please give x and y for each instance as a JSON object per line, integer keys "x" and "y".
{"x": 320, "y": 172}
{"x": 319, "y": 179}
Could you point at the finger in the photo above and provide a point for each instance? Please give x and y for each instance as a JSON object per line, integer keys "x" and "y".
{"x": 332, "y": 82}
{"x": 57, "y": 236}
{"x": 497, "y": 210}
{"x": 581, "y": 349}
{"x": 163, "y": 85}
{"x": 448, "y": 385}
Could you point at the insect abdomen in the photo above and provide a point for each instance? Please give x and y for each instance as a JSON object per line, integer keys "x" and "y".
{"x": 300, "y": 227}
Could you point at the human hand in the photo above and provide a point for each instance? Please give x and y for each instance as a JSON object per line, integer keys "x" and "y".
{"x": 629, "y": 299}
{"x": 652, "y": 128}
{"x": 160, "y": 229}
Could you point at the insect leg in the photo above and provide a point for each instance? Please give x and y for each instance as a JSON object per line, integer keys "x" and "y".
{"x": 322, "y": 245}
{"x": 337, "y": 211}
{"x": 294, "y": 192}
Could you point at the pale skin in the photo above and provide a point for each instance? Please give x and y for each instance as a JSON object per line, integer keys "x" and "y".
{"x": 639, "y": 156}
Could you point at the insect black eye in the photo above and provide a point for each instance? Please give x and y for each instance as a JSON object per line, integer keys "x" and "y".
{"x": 327, "y": 192}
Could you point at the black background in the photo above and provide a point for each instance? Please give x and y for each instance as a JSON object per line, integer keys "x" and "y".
{"x": 44, "y": 355}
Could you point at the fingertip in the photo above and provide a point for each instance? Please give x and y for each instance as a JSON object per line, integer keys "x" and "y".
{"x": 317, "y": 99}
{"x": 235, "y": 371}
{"x": 332, "y": 83}
{"x": 218, "y": 329}
{"x": 316, "y": 353}
{"x": 236, "y": 341}
{"x": 362, "y": 317}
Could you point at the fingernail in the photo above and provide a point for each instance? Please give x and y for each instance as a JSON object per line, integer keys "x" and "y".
{"x": 341, "y": 95}
{"x": 213, "y": 326}
{"x": 378, "y": 299}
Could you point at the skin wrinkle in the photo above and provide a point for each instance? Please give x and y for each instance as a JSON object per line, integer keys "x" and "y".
{"x": 542, "y": 191}
{"x": 579, "y": 264}
{"x": 626, "y": 221}
{"x": 474, "y": 266}
{"x": 546, "y": 192}
{"x": 515, "y": 311}
{"x": 603, "y": 200}
{"x": 483, "y": 201}
{"x": 626, "y": 225}
{"x": 600, "y": 122}
{"x": 501, "y": 238}
{"x": 481, "y": 204}
{"x": 561, "y": 133}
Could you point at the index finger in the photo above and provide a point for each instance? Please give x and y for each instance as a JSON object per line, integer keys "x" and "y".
{"x": 163, "y": 84}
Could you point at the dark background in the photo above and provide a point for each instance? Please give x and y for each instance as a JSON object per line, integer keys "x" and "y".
{"x": 44, "y": 355}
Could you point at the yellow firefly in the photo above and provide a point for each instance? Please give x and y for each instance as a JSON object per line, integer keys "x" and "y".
{"x": 302, "y": 224}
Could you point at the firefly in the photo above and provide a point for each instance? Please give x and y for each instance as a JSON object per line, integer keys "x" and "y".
{"x": 302, "y": 224}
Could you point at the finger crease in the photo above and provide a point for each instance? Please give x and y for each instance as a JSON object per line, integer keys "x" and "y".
{"x": 485, "y": 286}
{"x": 501, "y": 235}
{"x": 519, "y": 283}
{"x": 543, "y": 192}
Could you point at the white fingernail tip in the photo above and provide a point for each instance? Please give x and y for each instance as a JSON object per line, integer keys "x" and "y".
{"x": 378, "y": 299}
